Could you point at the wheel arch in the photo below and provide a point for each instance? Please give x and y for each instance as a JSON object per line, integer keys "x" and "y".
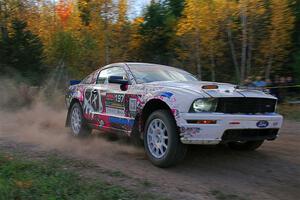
{"x": 74, "y": 100}
{"x": 150, "y": 107}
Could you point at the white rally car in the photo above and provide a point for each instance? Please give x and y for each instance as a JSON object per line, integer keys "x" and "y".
{"x": 169, "y": 108}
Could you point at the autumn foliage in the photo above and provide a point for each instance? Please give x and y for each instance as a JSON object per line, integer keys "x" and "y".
{"x": 64, "y": 9}
{"x": 216, "y": 40}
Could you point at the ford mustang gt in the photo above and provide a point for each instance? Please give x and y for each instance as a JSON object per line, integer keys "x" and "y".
{"x": 168, "y": 108}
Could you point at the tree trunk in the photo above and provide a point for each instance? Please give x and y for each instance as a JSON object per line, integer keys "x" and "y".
{"x": 268, "y": 68}
{"x": 3, "y": 20}
{"x": 198, "y": 59}
{"x": 249, "y": 54}
{"x": 233, "y": 54}
{"x": 244, "y": 39}
{"x": 213, "y": 67}
{"x": 106, "y": 33}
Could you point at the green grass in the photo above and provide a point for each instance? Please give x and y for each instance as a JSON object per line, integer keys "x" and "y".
{"x": 22, "y": 179}
{"x": 291, "y": 112}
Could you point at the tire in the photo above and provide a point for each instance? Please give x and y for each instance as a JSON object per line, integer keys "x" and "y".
{"x": 78, "y": 124}
{"x": 245, "y": 146}
{"x": 161, "y": 140}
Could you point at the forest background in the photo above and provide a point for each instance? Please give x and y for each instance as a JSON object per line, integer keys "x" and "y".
{"x": 217, "y": 40}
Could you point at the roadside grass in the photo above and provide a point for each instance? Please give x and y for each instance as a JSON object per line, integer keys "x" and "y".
{"x": 291, "y": 112}
{"x": 48, "y": 179}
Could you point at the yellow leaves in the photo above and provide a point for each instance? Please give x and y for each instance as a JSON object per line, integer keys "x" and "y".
{"x": 138, "y": 21}
{"x": 263, "y": 28}
{"x": 201, "y": 15}
{"x": 202, "y": 20}
{"x": 122, "y": 11}
{"x": 279, "y": 30}
{"x": 83, "y": 4}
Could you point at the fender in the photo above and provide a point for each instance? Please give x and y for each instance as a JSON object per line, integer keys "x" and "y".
{"x": 159, "y": 99}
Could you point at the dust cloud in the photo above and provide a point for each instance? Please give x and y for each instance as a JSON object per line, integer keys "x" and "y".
{"x": 32, "y": 117}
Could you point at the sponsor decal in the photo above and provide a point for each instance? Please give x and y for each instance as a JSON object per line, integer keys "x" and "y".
{"x": 262, "y": 124}
{"x": 121, "y": 121}
{"x": 115, "y": 100}
{"x": 115, "y": 111}
{"x": 101, "y": 123}
{"x": 175, "y": 113}
{"x": 92, "y": 102}
{"x": 101, "y": 120}
{"x": 166, "y": 94}
{"x": 189, "y": 132}
{"x": 132, "y": 104}
{"x": 110, "y": 97}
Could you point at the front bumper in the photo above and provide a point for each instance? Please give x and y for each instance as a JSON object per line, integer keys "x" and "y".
{"x": 213, "y": 133}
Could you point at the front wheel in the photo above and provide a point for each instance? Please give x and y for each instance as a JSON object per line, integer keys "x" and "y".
{"x": 245, "y": 146}
{"x": 161, "y": 140}
{"x": 77, "y": 122}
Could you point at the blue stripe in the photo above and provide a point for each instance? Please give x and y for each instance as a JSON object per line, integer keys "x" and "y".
{"x": 122, "y": 121}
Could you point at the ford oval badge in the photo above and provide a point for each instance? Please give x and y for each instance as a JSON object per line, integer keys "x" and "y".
{"x": 262, "y": 124}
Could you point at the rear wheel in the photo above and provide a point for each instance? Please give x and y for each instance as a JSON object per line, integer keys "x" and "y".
{"x": 161, "y": 140}
{"x": 246, "y": 146}
{"x": 79, "y": 127}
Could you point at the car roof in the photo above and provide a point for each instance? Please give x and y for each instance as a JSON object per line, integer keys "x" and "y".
{"x": 140, "y": 64}
{"x": 143, "y": 65}
{"x": 135, "y": 64}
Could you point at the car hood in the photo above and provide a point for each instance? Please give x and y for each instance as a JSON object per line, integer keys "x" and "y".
{"x": 224, "y": 89}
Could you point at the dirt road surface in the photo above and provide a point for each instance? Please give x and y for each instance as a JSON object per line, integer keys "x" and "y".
{"x": 209, "y": 172}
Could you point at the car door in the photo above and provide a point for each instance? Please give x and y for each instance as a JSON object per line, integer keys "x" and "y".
{"x": 91, "y": 101}
{"x": 115, "y": 104}
{"x": 94, "y": 101}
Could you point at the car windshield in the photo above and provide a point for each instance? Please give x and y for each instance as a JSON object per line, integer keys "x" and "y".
{"x": 152, "y": 73}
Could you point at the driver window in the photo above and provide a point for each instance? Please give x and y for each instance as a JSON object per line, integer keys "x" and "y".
{"x": 88, "y": 79}
{"x": 112, "y": 71}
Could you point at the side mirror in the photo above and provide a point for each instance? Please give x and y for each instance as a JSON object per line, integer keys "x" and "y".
{"x": 119, "y": 80}
{"x": 74, "y": 82}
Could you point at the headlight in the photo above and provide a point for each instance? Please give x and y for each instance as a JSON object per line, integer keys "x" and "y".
{"x": 204, "y": 105}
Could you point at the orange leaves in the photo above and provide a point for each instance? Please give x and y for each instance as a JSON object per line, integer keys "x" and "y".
{"x": 64, "y": 9}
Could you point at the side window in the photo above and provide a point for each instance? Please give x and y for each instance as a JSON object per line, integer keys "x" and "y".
{"x": 91, "y": 79}
{"x": 102, "y": 77}
{"x": 88, "y": 79}
{"x": 95, "y": 75}
{"x": 112, "y": 71}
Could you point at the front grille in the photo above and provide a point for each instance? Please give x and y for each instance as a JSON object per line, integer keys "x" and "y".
{"x": 235, "y": 105}
{"x": 249, "y": 134}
